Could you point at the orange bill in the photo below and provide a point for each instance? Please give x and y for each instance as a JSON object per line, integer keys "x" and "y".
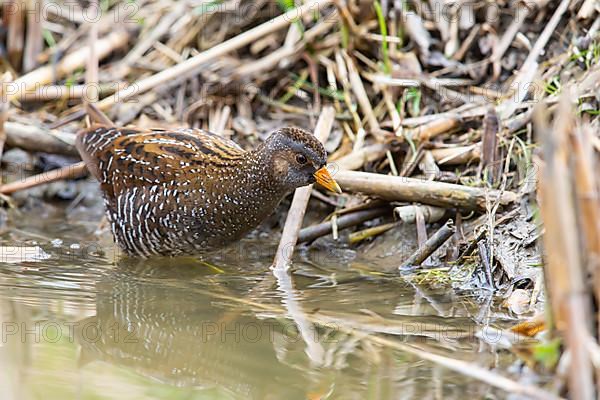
{"x": 325, "y": 179}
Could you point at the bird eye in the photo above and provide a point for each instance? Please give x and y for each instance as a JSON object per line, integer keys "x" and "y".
{"x": 301, "y": 159}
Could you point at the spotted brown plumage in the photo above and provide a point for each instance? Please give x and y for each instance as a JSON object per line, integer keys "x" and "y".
{"x": 187, "y": 191}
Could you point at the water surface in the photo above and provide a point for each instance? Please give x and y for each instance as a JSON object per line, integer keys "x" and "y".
{"x": 79, "y": 325}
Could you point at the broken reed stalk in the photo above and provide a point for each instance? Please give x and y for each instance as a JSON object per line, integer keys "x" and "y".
{"x": 564, "y": 271}
{"x": 34, "y": 42}
{"x": 408, "y": 214}
{"x": 293, "y": 222}
{"x": 489, "y": 147}
{"x": 69, "y": 172}
{"x": 588, "y": 200}
{"x": 192, "y": 64}
{"x": 91, "y": 72}
{"x": 397, "y": 188}
{"x": 345, "y": 221}
{"x": 14, "y": 23}
{"x": 432, "y": 244}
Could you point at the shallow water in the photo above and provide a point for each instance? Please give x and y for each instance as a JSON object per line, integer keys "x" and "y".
{"x": 80, "y": 326}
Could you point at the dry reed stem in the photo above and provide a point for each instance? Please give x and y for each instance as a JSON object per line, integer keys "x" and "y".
{"x": 293, "y": 222}
{"x": 395, "y": 188}
{"x": 434, "y": 128}
{"x": 357, "y": 159}
{"x": 14, "y": 21}
{"x": 34, "y": 41}
{"x": 564, "y": 272}
{"x": 587, "y": 187}
{"x": 361, "y": 94}
{"x": 68, "y": 172}
{"x": 457, "y": 155}
{"x": 367, "y": 233}
{"x": 285, "y": 251}
{"x": 4, "y": 106}
{"x": 271, "y": 60}
{"x": 91, "y": 72}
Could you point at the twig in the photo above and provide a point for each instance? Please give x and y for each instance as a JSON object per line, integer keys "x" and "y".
{"x": 4, "y": 105}
{"x": 14, "y": 23}
{"x": 431, "y": 245}
{"x": 271, "y": 60}
{"x": 97, "y": 116}
{"x": 91, "y": 72}
{"x": 345, "y": 221}
{"x": 360, "y": 93}
{"x": 521, "y": 14}
{"x": 457, "y": 155}
{"x": 34, "y": 41}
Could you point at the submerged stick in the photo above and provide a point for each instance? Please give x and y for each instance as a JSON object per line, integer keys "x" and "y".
{"x": 396, "y": 188}
{"x": 291, "y": 229}
{"x": 431, "y": 245}
{"x": 345, "y": 221}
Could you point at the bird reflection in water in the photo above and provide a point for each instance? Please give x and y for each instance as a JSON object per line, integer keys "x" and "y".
{"x": 147, "y": 320}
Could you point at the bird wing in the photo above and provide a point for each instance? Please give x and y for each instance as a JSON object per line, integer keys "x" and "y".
{"x": 126, "y": 157}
